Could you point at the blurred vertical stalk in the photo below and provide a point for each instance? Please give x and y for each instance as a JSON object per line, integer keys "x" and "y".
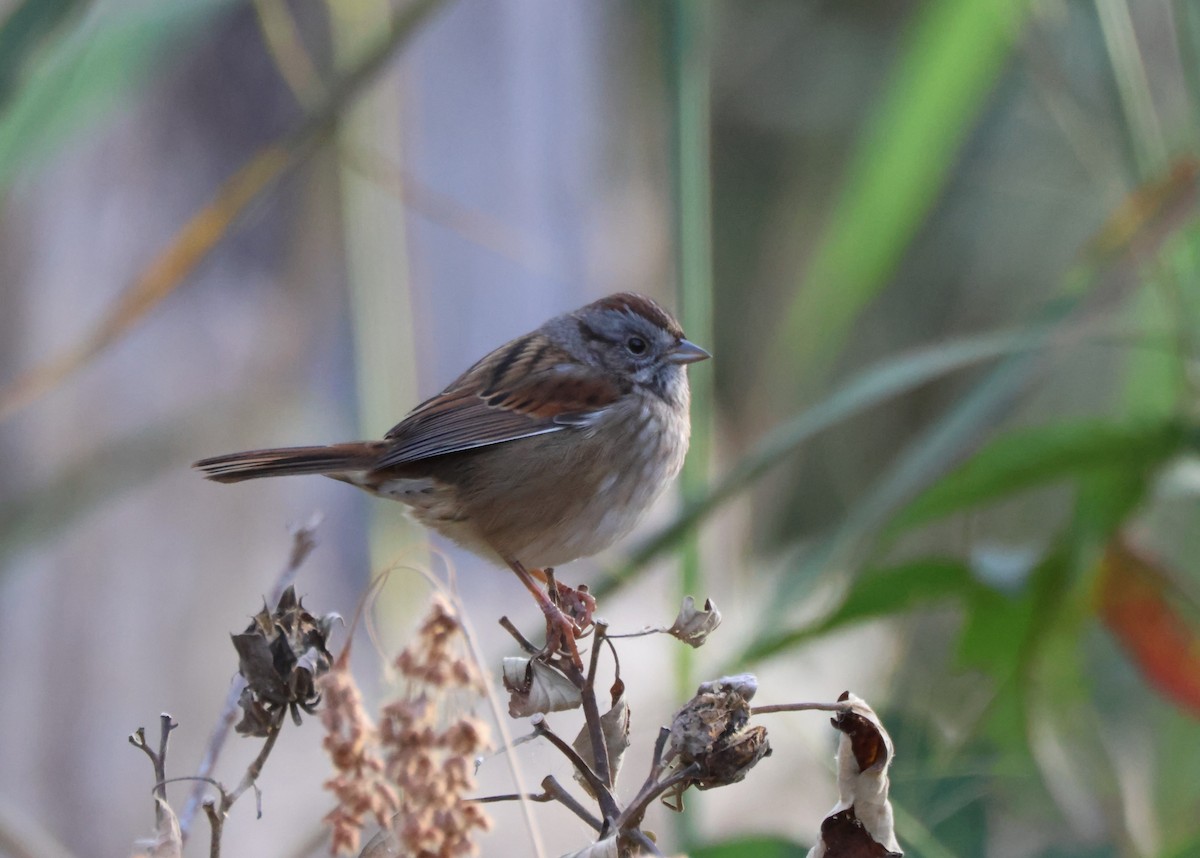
{"x": 376, "y": 261}
{"x": 1133, "y": 87}
{"x": 689, "y": 70}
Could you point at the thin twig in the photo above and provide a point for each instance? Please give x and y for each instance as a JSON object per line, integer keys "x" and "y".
{"x": 165, "y": 725}
{"x": 631, "y": 817}
{"x": 559, "y": 793}
{"x": 660, "y": 744}
{"x": 799, "y": 707}
{"x": 608, "y": 804}
{"x": 659, "y": 630}
{"x": 591, "y": 715}
{"x": 552, "y": 790}
{"x": 216, "y": 822}
{"x": 522, "y": 641}
{"x": 601, "y": 631}
{"x": 217, "y": 811}
{"x": 303, "y": 542}
{"x": 157, "y": 759}
{"x": 250, "y": 778}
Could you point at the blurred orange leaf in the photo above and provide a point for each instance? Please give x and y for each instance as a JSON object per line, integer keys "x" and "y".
{"x": 190, "y": 245}
{"x": 1138, "y": 604}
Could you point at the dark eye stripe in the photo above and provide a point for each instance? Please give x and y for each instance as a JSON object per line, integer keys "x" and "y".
{"x": 591, "y": 333}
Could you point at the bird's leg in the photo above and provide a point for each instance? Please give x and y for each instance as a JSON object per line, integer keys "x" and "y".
{"x": 560, "y": 628}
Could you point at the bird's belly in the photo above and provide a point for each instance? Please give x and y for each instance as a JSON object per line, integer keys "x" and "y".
{"x": 564, "y": 497}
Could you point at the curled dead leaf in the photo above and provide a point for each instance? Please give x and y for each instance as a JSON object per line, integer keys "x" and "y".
{"x": 844, "y": 836}
{"x": 167, "y": 841}
{"x": 693, "y": 626}
{"x": 864, "y": 753}
{"x": 535, "y": 687}
{"x": 615, "y": 723}
{"x": 606, "y": 848}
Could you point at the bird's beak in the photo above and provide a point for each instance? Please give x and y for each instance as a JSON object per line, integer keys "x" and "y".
{"x": 687, "y": 352}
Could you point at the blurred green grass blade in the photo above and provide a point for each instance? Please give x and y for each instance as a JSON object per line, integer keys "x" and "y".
{"x": 751, "y": 847}
{"x": 1032, "y": 457}
{"x": 917, "y": 466}
{"x": 22, "y": 34}
{"x": 916, "y": 837}
{"x": 951, "y": 58}
{"x": 689, "y": 70}
{"x": 879, "y": 383}
{"x": 82, "y": 74}
{"x": 889, "y": 591}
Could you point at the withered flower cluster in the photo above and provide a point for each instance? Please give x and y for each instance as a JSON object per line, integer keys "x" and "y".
{"x": 412, "y": 773}
{"x": 430, "y": 748}
{"x": 711, "y": 733}
{"x": 358, "y": 785}
{"x": 281, "y": 654}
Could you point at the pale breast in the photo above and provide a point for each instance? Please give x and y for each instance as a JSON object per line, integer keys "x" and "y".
{"x": 553, "y": 498}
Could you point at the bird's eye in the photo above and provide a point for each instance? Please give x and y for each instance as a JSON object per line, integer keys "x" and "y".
{"x": 636, "y": 345}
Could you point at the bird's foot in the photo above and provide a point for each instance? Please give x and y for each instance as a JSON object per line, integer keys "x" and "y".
{"x": 576, "y": 602}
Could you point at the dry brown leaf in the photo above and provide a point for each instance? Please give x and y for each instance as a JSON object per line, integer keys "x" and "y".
{"x": 606, "y": 848}
{"x": 615, "y": 723}
{"x": 864, "y": 753}
{"x": 844, "y": 836}
{"x": 536, "y": 687}
{"x": 693, "y": 626}
{"x": 167, "y": 842}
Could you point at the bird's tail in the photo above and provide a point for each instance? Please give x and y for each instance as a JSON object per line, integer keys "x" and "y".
{"x": 334, "y": 460}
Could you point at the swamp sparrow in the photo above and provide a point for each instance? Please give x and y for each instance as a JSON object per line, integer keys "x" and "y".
{"x": 548, "y": 449}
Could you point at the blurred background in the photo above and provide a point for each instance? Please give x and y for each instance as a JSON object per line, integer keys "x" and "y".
{"x": 946, "y": 254}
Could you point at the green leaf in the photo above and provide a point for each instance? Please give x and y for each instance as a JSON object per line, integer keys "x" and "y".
{"x": 951, "y": 58}
{"x": 887, "y": 591}
{"x": 1033, "y": 457}
{"x": 85, "y": 73}
{"x": 751, "y": 847}
{"x": 24, "y": 31}
{"x": 883, "y": 381}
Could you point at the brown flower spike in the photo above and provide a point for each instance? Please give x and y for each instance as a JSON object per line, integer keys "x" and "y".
{"x": 413, "y": 772}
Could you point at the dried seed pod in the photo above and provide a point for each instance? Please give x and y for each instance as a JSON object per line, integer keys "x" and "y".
{"x": 712, "y": 733}
{"x": 280, "y": 655}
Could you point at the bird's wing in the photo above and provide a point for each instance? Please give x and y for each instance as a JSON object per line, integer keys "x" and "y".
{"x": 527, "y": 387}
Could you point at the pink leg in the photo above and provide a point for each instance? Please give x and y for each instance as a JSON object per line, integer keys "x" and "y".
{"x": 560, "y": 628}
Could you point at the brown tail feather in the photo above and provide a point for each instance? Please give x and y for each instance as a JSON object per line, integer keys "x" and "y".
{"x": 285, "y": 461}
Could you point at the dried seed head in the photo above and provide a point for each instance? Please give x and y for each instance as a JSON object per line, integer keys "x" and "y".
{"x": 352, "y": 742}
{"x": 428, "y": 752}
{"x": 280, "y": 655}
{"x": 711, "y": 732}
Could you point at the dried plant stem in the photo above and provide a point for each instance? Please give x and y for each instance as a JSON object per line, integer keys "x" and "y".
{"x": 645, "y": 843}
{"x": 217, "y": 811}
{"x": 216, "y": 821}
{"x": 157, "y": 759}
{"x": 303, "y": 542}
{"x": 799, "y": 707}
{"x": 608, "y": 804}
{"x": 631, "y": 817}
{"x": 521, "y": 640}
{"x": 552, "y": 790}
{"x": 250, "y": 778}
